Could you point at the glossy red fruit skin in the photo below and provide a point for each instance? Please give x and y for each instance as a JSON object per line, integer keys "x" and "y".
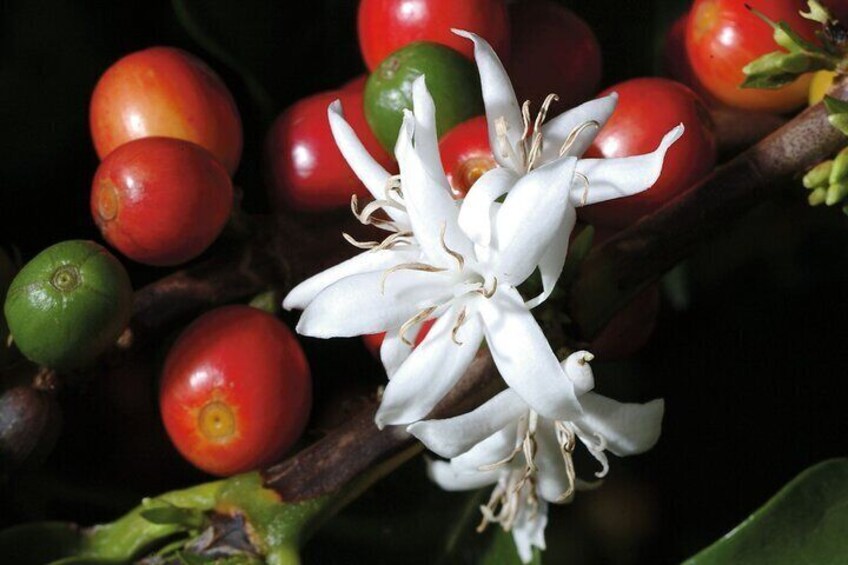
{"x": 236, "y": 390}
{"x": 647, "y": 109}
{"x": 164, "y": 91}
{"x": 161, "y": 201}
{"x": 466, "y": 154}
{"x": 722, "y": 36}
{"x": 387, "y": 25}
{"x": 553, "y": 51}
{"x": 373, "y": 342}
{"x": 306, "y": 171}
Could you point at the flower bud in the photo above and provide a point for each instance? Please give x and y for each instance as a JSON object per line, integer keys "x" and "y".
{"x": 818, "y": 176}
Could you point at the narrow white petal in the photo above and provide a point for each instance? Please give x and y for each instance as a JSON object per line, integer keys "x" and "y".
{"x": 492, "y": 450}
{"x": 524, "y": 357}
{"x": 476, "y": 212}
{"x": 301, "y": 295}
{"x": 394, "y": 351}
{"x": 628, "y": 428}
{"x": 431, "y": 370}
{"x": 625, "y": 176}
{"x": 369, "y": 171}
{"x": 530, "y": 216}
{"x": 529, "y": 531}
{"x": 429, "y": 205}
{"x": 557, "y": 130}
{"x": 446, "y": 476}
{"x": 552, "y": 262}
{"x": 552, "y": 479}
{"x": 426, "y": 138}
{"x": 453, "y": 436}
{"x": 356, "y": 306}
{"x": 498, "y": 97}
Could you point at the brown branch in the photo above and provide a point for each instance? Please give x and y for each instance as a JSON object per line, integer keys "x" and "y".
{"x": 637, "y": 256}
{"x": 347, "y": 451}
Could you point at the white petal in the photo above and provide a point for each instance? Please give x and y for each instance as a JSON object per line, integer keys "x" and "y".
{"x": 524, "y": 358}
{"x": 369, "y": 171}
{"x": 552, "y": 262}
{"x": 557, "y": 131}
{"x": 531, "y": 214}
{"x": 627, "y": 428}
{"x": 431, "y": 371}
{"x": 356, "y": 306}
{"x": 492, "y": 450}
{"x": 529, "y": 531}
{"x": 453, "y": 436}
{"x": 552, "y": 479}
{"x": 446, "y": 476}
{"x": 475, "y": 214}
{"x": 577, "y": 368}
{"x": 498, "y": 97}
{"x": 429, "y": 205}
{"x": 625, "y": 176}
{"x": 426, "y": 138}
{"x": 394, "y": 351}
{"x": 369, "y": 261}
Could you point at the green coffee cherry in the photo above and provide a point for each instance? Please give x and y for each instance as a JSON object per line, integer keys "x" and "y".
{"x": 68, "y": 304}
{"x": 452, "y": 81}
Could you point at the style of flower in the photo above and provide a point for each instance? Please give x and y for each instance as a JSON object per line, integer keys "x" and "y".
{"x": 430, "y": 267}
{"x": 522, "y": 144}
{"x": 528, "y": 457}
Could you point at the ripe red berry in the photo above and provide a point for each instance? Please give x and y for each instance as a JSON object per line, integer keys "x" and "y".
{"x": 305, "y": 167}
{"x": 236, "y": 390}
{"x": 161, "y": 201}
{"x": 647, "y": 109}
{"x": 163, "y": 91}
{"x": 466, "y": 154}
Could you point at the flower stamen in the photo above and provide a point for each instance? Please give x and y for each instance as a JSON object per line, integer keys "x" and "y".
{"x": 585, "y": 197}
{"x": 575, "y": 133}
{"x": 419, "y": 317}
{"x": 412, "y": 266}
{"x": 460, "y": 260}
{"x": 460, "y": 320}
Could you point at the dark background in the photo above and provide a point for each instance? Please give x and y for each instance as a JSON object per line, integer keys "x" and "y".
{"x": 750, "y": 354}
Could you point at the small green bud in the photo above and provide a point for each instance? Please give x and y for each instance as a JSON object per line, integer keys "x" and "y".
{"x": 818, "y": 196}
{"x": 836, "y": 193}
{"x": 839, "y": 121}
{"x": 839, "y": 172}
{"x": 818, "y": 175}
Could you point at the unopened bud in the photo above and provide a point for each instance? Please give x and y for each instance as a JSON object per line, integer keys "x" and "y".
{"x": 839, "y": 172}
{"x": 818, "y": 175}
{"x": 818, "y": 196}
{"x": 836, "y": 193}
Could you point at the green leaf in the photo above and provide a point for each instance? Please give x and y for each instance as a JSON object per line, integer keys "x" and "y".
{"x": 835, "y": 105}
{"x": 768, "y": 81}
{"x": 806, "y": 522}
{"x": 577, "y": 252}
{"x": 502, "y": 551}
{"x": 839, "y": 121}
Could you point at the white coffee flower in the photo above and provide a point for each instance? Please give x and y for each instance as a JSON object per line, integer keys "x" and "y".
{"x": 430, "y": 268}
{"x": 528, "y": 457}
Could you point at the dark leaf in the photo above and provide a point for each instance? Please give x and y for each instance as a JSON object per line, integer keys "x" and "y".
{"x": 806, "y": 522}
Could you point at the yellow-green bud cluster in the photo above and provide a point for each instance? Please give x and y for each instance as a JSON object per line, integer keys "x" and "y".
{"x": 828, "y": 182}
